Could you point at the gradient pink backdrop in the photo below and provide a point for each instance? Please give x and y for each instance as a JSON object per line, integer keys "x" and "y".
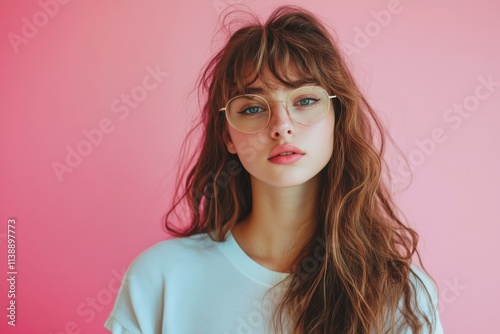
{"x": 77, "y": 233}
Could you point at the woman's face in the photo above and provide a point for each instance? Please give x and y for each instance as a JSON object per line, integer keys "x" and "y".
{"x": 312, "y": 145}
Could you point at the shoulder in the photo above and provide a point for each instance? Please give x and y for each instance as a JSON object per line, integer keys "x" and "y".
{"x": 166, "y": 256}
{"x": 425, "y": 288}
{"x": 157, "y": 271}
{"x": 426, "y": 297}
{"x": 194, "y": 243}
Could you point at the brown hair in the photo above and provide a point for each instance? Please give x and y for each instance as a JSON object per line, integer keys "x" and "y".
{"x": 361, "y": 277}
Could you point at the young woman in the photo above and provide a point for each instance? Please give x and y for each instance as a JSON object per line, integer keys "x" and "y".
{"x": 291, "y": 228}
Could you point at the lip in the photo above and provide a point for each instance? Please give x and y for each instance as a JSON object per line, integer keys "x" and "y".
{"x": 275, "y": 153}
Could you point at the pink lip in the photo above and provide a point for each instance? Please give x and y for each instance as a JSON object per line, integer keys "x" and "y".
{"x": 276, "y": 158}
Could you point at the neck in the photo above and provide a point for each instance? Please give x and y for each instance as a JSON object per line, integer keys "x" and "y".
{"x": 281, "y": 223}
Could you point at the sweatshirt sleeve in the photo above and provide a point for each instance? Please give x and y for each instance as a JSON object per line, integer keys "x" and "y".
{"x": 138, "y": 308}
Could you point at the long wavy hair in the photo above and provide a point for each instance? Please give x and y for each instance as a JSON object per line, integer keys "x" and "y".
{"x": 354, "y": 275}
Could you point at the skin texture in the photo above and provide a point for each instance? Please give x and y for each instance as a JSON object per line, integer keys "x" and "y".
{"x": 284, "y": 196}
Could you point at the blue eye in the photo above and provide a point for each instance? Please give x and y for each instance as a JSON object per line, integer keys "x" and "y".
{"x": 307, "y": 101}
{"x": 251, "y": 110}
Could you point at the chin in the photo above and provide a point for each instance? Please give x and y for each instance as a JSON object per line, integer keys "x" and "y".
{"x": 285, "y": 180}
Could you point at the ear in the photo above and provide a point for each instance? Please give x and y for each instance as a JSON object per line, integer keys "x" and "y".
{"x": 228, "y": 141}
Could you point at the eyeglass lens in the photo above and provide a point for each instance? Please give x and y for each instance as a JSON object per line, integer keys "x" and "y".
{"x": 251, "y": 113}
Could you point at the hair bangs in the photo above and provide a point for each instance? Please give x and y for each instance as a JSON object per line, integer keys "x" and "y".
{"x": 261, "y": 52}
{"x": 289, "y": 63}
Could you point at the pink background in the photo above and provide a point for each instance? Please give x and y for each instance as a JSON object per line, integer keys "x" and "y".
{"x": 76, "y": 233}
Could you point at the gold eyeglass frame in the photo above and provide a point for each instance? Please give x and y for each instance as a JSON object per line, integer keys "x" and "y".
{"x": 224, "y": 109}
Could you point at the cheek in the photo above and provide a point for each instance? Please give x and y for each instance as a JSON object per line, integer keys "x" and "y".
{"x": 322, "y": 139}
{"x": 249, "y": 145}
{"x": 324, "y": 143}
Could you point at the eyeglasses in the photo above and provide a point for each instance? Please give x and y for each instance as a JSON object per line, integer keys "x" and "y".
{"x": 250, "y": 113}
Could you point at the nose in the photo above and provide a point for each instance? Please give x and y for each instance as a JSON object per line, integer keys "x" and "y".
{"x": 281, "y": 124}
